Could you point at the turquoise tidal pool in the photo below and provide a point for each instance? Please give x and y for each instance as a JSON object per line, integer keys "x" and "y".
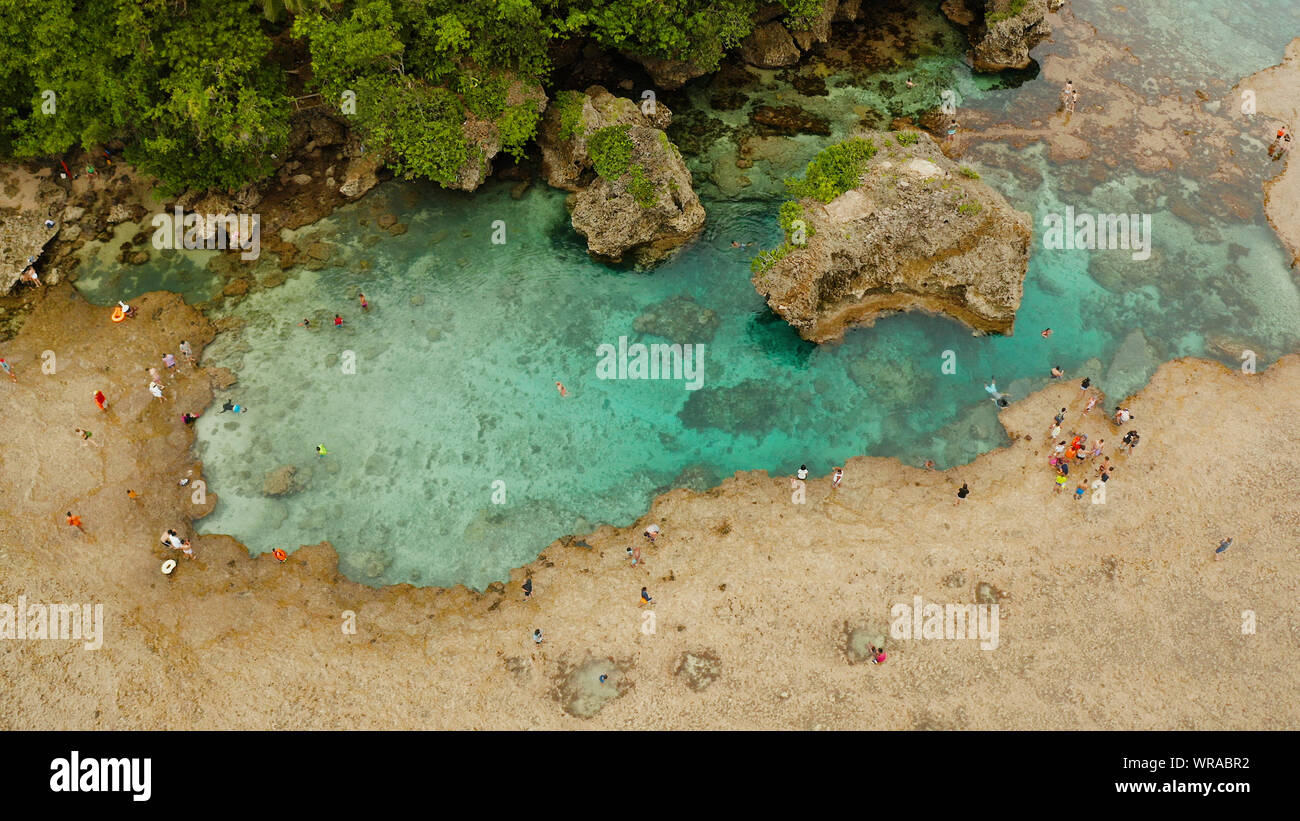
{"x": 452, "y": 457}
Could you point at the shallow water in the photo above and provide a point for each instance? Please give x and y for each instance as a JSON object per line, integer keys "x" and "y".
{"x": 452, "y": 457}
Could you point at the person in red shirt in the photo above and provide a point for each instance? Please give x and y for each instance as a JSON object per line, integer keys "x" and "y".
{"x": 338, "y": 321}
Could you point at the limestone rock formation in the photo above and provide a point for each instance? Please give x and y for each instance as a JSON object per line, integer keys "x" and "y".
{"x": 484, "y": 136}
{"x": 1002, "y": 32}
{"x": 917, "y": 232}
{"x": 572, "y": 117}
{"x": 769, "y": 46}
{"x": 360, "y": 175}
{"x": 633, "y": 191}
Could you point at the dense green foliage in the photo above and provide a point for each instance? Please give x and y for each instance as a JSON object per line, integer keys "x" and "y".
{"x": 1010, "y": 9}
{"x": 198, "y": 91}
{"x": 833, "y": 171}
{"x": 906, "y": 138}
{"x": 569, "y": 105}
{"x": 968, "y": 172}
{"x": 611, "y": 149}
{"x": 191, "y": 91}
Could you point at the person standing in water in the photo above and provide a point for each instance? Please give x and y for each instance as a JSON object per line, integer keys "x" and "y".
{"x": 365, "y": 306}
{"x": 320, "y": 450}
{"x": 559, "y": 386}
{"x": 338, "y": 321}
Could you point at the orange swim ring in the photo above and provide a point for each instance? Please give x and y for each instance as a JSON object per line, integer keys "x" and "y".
{"x": 118, "y": 314}
{"x": 279, "y": 554}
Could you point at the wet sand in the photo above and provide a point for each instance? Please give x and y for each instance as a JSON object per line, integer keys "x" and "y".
{"x": 1277, "y": 95}
{"x": 1115, "y": 616}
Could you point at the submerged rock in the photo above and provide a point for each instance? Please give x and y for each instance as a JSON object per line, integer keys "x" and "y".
{"x": 787, "y": 120}
{"x": 679, "y": 319}
{"x": 281, "y": 482}
{"x": 917, "y": 232}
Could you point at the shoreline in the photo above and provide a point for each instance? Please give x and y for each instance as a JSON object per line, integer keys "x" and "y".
{"x": 741, "y": 588}
{"x": 758, "y": 602}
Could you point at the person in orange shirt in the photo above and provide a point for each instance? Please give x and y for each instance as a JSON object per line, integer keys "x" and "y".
{"x": 75, "y": 521}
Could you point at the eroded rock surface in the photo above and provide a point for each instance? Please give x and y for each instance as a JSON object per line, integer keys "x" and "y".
{"x": 918, "y": 232}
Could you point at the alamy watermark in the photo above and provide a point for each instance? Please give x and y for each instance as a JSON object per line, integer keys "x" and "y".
{"x": 655, "y": 361}
{"x": 213, "y": 232}
{"x": 76, "y": 622}
{"x": 920, "y": 620}
{"x": 1127, "y": 232}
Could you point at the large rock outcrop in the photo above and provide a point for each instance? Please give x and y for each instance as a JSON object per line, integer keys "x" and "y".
{"x": 917, "y": 232}
{"x": 1002, "y": 32}
{"x": 484, "y": 135}
{"x": 633, "y": 192}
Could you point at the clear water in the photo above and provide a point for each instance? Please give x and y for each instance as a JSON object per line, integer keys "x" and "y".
{"x": 455, "y": 366}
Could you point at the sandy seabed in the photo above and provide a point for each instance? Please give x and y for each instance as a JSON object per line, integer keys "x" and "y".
{"x": 1113, "y": 615}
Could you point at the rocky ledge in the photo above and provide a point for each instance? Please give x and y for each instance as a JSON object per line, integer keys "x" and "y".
{"x": 916, "y": 231}
{"x": 633, "y": 194}
{"x": 1002, "y": 32}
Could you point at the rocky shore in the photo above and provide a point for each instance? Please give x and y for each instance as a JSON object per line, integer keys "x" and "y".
{"x": 760, "y": 606}
{"x": 1277, "y": 97}
{"x": 917, "y": 232}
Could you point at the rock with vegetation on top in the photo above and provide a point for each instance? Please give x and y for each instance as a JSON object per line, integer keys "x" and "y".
{"x": 1002, "y": 32}
{"x": 817, "y": 27}
{"x": 885, "y": 222}
{"x": 484, "y": 136}
{"x": 572, "y": 117}
{"x": 634, "y": 193}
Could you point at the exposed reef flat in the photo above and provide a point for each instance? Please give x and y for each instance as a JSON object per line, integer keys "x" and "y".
{"x": 761, "y": 605}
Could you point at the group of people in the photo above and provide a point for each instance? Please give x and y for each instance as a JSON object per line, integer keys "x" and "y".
{"x": 1281, "y": 143}
{"x": 651, "y": 534}
{"x": 338, "y": 318}
{"x": 170, "y": 538}
{"x": 1069, "y": 97}
{"x": 1077, "y": 450}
